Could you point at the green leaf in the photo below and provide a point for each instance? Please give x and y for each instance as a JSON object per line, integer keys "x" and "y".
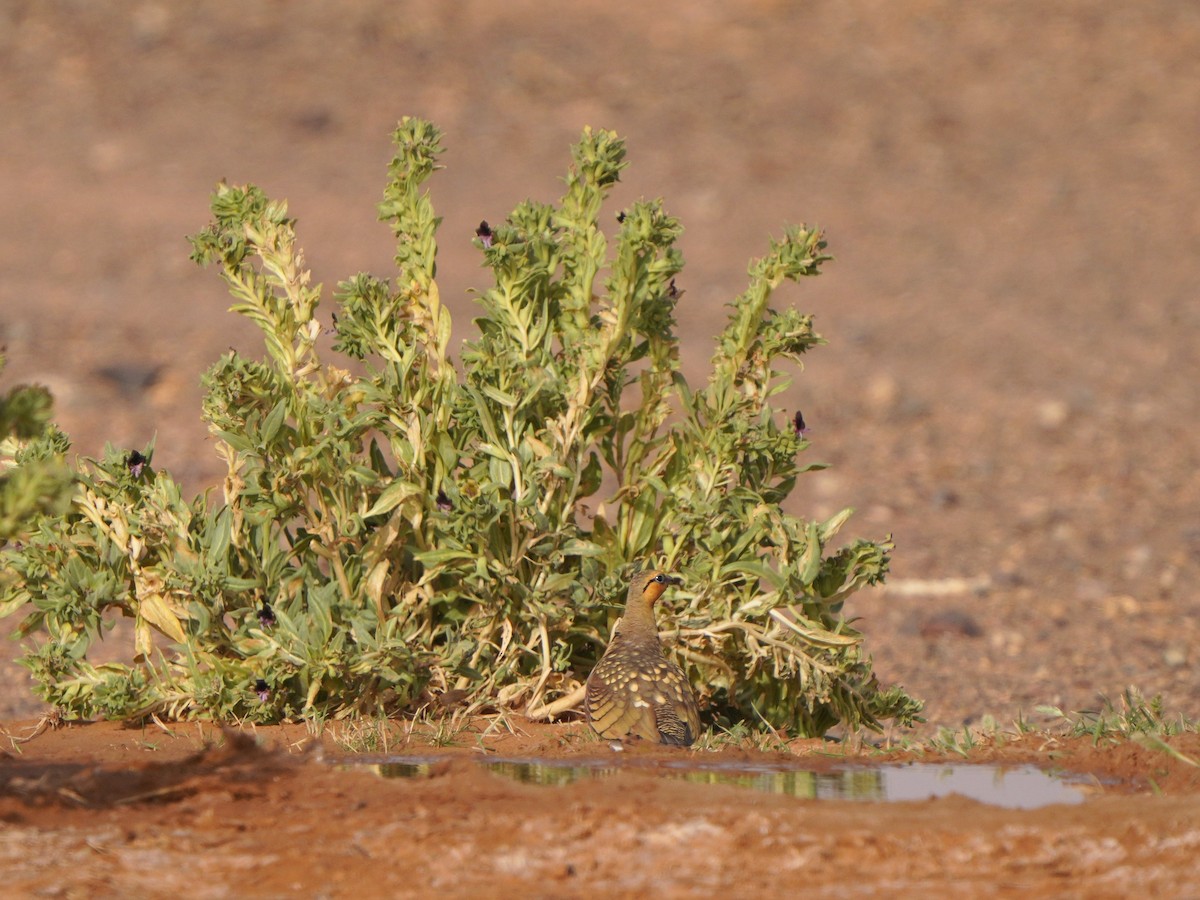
{"x": 273, "y": 422}
{"x": 505, "y": 399}
{"x": 756, "y": 569}
{"x": 392, "y": 496}
{"x": 431, "y": 558}
{"x": 810, "y": 561}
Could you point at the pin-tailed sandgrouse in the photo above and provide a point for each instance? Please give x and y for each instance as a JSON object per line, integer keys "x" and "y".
{"x": 635, "y": 689}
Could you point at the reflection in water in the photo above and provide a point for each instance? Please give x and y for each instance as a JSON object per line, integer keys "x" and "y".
{"x": 1020, "y": 787}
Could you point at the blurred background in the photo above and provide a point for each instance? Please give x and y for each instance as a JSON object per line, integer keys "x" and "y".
{"x": 1011, "y": 191}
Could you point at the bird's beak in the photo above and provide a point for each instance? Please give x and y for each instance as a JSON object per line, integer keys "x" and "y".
{"x": 674, "y": 579}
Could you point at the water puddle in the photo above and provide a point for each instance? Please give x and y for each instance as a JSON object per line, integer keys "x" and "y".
{"x": 1011, "y": 787}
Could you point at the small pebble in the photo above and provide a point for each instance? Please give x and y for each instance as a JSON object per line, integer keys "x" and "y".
{"x": 1175, "y": 657}
{"x": 1053, "y": 414}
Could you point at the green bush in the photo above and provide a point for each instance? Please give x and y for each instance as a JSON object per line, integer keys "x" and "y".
{"x": 407, "y": 526}
{"x": 34, "y": 477}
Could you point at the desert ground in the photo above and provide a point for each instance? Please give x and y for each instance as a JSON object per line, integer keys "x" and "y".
{"x": 1010, "y": 192}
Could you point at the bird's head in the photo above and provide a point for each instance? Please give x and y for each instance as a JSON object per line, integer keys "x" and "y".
{"x": 650, "y": 584}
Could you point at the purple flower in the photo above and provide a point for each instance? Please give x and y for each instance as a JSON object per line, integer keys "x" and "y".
{"x": 798, "y": 424}
{"x": 485, "y": 234}
{"x": 135, "y": 463}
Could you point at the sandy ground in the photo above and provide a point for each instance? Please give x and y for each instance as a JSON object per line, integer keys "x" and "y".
{"x": 99, "y": 811}
{"x": 1010, "y": 192}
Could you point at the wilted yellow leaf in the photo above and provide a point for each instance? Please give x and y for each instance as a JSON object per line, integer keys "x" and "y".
{"x": 156, "y": 611}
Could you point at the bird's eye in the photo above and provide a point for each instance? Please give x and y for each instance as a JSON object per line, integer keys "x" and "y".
{"x": 660, "y": 578}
